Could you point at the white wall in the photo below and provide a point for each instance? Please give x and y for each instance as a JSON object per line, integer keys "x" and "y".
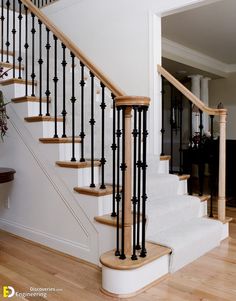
{"x": 124, "y": 39}
{"x": 224, "y": 90}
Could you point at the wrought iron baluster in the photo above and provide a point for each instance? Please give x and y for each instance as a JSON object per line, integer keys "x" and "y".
{"x": 48, "y": 93}
{"x": 2, "y": 30}
{"x": 40, "y": 61}
{"x": 14, "y": 39}
{"x": 139, "y": 166}
{"x": 118, "y": 193}
{"x": 181, "y": 135}
{"x": 123, "y": 169}
{"x": 26, "y": 51}
{"x": 64, "y": 112}
{"x": 33, "y": 75}
{"x": 212, "y": 175}
{"x": 143, "y": 252}
{"x": 8, "y": 4}
{"x": 92, "y": 123}
{"x": 134, "y": 199}
{"x": 163, "y": 118}
{"x": 103, "y": 160}
{"x": 73, "y": 100}
{"x": 55, "y": 79}
{"x": 82, "y": 134}
{"x": 20, "y": 35}
{"x": 114, "y": 148}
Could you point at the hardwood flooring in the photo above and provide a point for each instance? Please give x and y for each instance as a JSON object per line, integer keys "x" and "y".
{"x": 24, "y": 265}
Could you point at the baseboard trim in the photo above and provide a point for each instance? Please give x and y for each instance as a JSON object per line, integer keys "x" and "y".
{"x": 52, "y": 250}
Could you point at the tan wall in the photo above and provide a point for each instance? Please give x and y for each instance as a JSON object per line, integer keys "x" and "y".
{"x": 224, "y": 90}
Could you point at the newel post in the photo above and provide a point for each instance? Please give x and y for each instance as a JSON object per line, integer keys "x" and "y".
{"x": 126, "y": 105}
{"x": 222, "y": 167}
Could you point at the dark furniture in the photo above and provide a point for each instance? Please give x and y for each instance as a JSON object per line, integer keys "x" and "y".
{"x": 6, "y": 175}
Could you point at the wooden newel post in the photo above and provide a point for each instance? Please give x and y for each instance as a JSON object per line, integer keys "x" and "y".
{"x": 128, "y": 102}
{"x": 222, "y": 167}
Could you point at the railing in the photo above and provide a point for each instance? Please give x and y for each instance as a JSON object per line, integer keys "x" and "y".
{"x": 42, "y": 3}
{"x": 62, "y": 72}
{"x": 197, "y": 142}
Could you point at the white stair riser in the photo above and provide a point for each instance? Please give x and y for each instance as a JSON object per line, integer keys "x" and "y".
{"x": 78, "y": 177}
{"x": 27, "y": 109}
{"x": 203, "y": 209}
{"x": 10, "y": 58}
{"x": 60, "y": 152}
{"x": 183, "y": 187}
{"x": 10, "y": 73}
{"x": 164, "y": 167}
{"x": 16, "y": 90}
{"x": 127, "y": 282}
{"x": 45, "y": 129}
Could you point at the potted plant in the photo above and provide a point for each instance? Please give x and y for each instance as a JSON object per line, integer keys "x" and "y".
{"x": 3, "y": 112}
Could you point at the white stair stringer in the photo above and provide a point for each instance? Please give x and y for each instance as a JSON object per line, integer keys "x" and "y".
{"x": 189, "y": 240}
{"x": 34, "y": 224}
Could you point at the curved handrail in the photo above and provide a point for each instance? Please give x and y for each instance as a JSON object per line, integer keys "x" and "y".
{"x": 73, "y": 48}
{"x": 194, "y": 99}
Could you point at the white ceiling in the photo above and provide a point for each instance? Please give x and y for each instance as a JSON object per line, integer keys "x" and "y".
{"x": 210, "y": 29}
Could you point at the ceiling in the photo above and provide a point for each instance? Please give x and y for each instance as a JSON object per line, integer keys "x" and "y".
{"x": 210, "y": 29}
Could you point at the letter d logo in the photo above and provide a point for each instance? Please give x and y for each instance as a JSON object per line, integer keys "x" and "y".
{"x": 8, "y": 292}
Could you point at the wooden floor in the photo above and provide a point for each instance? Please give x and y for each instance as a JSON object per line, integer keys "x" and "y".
{"x": 24, "y": 265}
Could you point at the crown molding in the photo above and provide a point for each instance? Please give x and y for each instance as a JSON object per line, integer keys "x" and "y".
{"x": 182, "y": 54}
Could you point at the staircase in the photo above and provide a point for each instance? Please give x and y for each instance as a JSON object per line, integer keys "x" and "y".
{"x": 87, "y": 141}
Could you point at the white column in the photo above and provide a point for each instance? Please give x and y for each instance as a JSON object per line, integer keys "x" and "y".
{"x": 205, "y": 98}
{"x": 196, "y": 90}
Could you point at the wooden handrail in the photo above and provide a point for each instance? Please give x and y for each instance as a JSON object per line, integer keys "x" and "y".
{"x": 194, "y": 99}
{"x": 73, "y": 48}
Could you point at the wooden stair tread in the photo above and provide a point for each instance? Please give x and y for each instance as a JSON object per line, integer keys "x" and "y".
{"x": 227, "y": 219}
{"x": 10, "y": 66}
{"x": 202, "y": 198}
{"x": 183, "y": 177}
{"x": 165, "y": 158}
{"x": 5, "y": 52}
{"x": 11, "y": 81}
{"x": 28, "y": 99}
{"x": 43, "y": 118}
{"x": 109, "y": 220}
{"x": 59, "y": 140}
{"x": 154, "y": 252}
{"x": 95, "y": 191}
{"x": 77, "y": 164}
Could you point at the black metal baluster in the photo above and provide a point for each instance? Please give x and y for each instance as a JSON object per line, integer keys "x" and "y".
{"x": 118, "y": 194}
{"x": 73, "y": 100}
{"x": 103, "y": 160}
{"x": 48, "y": 93}
{"x": 134, "y": 199}
{"x": 212, "y": 176}
{"x": 8, "y": 4}
{"x": 139, "y": 166}
{"x": 143, "y": 252}
{"x": 190, "y": 181}
{"x": 201, "y": 159}
{"x": 113, "y": 147}
{"x": 14, "y": 39}
{"x": 181, "y": 135}
{"x": 38, "y": 4}
{"x": 33, "y": 31}
{"x": 92, "y": 123}
{"x": 82, "y": 134}
{"x": 26, "y": 51}
{"x": 55, "y": 79}
{"x": 40, "y": 61}
{"x": 123, "y": 170}
{"x": 163, "y": 118}
{"x": 20, "y": 34}
{"x": 64, "y": 113}
{"x": 2, "y": 31}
